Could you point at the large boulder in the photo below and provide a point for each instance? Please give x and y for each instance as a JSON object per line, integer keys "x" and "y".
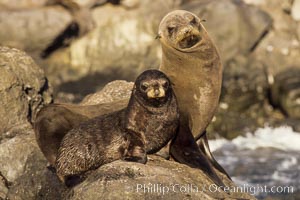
{"x": 157, "y": 179}
{"x": 113, "y": 91}
{"x": 23, "y": 89}
{"x": 26, "y": 169}
{"x": 280, "y": 47}
{"x": 32, "y": 29}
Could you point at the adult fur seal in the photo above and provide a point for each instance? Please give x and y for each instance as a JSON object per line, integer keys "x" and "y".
{"x": 192, "y": 62}
{"x": 147, "y": 124}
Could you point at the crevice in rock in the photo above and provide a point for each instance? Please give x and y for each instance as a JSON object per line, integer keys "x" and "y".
{"x": 263, "y": 35}
{"x": 6, "y": 182}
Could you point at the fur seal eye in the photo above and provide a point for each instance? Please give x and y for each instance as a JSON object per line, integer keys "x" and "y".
{"x": 193, "y": 21}
{"x": 165, "y": 85}
{"x": 144, "y": 86}
{"x": 171, "y": 29}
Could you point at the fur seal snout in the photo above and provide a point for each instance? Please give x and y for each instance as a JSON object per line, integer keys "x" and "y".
{"x": 147, "y": 124}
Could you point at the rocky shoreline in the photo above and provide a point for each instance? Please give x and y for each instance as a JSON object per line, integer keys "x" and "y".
{"x": 24, "y": 172}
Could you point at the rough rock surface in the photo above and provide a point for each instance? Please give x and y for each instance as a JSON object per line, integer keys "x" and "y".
{"x": 127, "y": 181}
{"x": 23, "y": 89}
{"x": 244, "y": 93}
{"x": 32, "y": 179}
{"x": 113, "y": 91}
{"x": 19, "y": 5}
{"x": 286, "y": 92}
{"x": 32, "y": 29}
{"x": 296, "y": 10}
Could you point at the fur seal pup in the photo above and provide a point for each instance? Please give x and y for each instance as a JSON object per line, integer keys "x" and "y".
{"x": 192, "y": 62}
{"x": 146, "y": 125}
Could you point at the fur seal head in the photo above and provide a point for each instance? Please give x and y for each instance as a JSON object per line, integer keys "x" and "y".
{"x": 152, "y": 89}
{"x": 181, "y": 30}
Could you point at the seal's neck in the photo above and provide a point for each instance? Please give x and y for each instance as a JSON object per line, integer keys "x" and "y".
{"x": 137, "y": 111}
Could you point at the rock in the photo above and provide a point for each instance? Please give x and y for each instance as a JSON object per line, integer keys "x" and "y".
{"x": 286, "y": 92}
{"x": 296, "y": 10}
{"x": 243, "y": 99}
{"x": 21, "y": 5}
{"x": 23, "y": 89}
{"x": 255, "y": 2}
{"x": 298, "y": 31}
{"x": 32, "y": 29}
{"x": 113, "y": 91}
{"x": 3, "y": 187}
{"x": 235, "y": 26}
{"x": 280, "y": 47}
{"x": 130, "y": 3}
{"x": 34, "y": 181}
{"x": 130, "y": 180}
{"x": 14, "y": 153}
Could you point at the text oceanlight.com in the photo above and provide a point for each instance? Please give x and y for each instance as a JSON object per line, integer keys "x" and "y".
{"x": 192, "y": 188}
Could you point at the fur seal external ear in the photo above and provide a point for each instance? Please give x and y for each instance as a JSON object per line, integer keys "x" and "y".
{"x": 145, "y": 126}
{"x": 192, "y": 62}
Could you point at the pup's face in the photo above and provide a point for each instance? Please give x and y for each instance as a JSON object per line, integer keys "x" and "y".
{"x": 153, "y": 87}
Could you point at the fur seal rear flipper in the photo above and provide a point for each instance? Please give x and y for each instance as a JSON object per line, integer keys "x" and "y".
{"x": 204, "y": 147}
{"x": 192, "y": 62}
{"x": 184, "y": 149}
